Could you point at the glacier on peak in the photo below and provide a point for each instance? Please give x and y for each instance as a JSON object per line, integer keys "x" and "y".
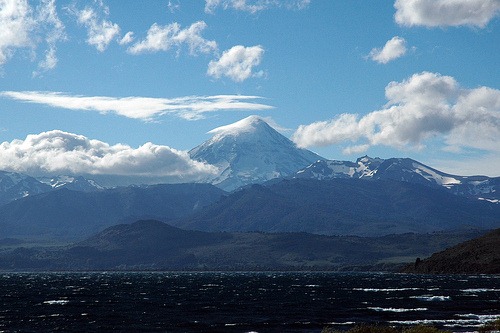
{"x": 246, "y": 125}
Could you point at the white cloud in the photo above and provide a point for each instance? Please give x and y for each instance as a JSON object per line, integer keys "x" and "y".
{"x": 100, "y": 31}
{"x": 163, "y": 38}
{"x": 48, "y": 63}
{"x": 127, "y": 39}
{"x": 393, "y": 49}
{"x": 425, "y": 105}
{"x": 48, "y": 15}
{"x": 173, "y": 6}
{"x": 58, "y": 152}
{"x": 23, "y": 26}
{"x": 255, "y": 5}
{"x": 441, "y": 13}
{"x": 17, "y": 23}
{"x": 144, "y": 108}
{"x": 236, "y": 63}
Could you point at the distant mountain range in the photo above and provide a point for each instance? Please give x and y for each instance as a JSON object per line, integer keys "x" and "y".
{"x": 405, "y": 170}
{"x": 342, "y": 207}
{"x": 15, "y": 185}
{"x": 329, "y": 207}
{"x": 275, "y": 187}
{"x": 250, "y": 151}
{"x": 66, "y": 214}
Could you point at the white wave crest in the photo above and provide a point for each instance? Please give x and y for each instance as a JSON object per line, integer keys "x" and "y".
{"x": 396, "y": 309}
{"x": 384, "y": 289}
{"x": 58, "y": 302}
{"x": 432, "y": 298}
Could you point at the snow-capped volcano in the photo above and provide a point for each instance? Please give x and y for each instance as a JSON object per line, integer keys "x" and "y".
{"x": 251, "y": 151}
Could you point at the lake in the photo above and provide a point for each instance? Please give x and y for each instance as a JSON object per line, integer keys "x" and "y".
{"x": 241, "y": 302}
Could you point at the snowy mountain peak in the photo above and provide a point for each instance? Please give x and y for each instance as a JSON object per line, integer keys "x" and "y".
{"x": 251, "y": 129}
{"x": 251, "y": 151}
{"x": 367, "y": 160}
{"x": 247, "y": 125}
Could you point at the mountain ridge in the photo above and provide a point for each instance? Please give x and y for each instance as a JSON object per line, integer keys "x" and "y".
{"x": 14, "y": 186}
{"x": 405, "y": 170}
{"x": 251, "y": 151}
{"x": 342, "y": 207}
{"x": 66, "y": 214}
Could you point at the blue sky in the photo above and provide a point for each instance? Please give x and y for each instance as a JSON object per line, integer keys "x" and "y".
{"x": 127, "y": 87}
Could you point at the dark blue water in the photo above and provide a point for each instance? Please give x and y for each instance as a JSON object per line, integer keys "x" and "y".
{"x": 241, "y": 302}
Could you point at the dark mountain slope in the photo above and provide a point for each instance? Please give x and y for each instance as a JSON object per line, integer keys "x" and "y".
{"x": 477, "y": 256}
{"x": 342, "y": 207}
{"x": 65, "y": 214}
{"x": 157, "y": 246}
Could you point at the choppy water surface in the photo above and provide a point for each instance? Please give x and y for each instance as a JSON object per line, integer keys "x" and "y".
{"x": 241, "y": 302}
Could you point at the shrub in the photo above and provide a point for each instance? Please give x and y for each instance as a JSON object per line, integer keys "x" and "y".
{"x": 365, "y": 328}
{"x": 423, "y": 329}
{"x": 385, "y": 329}
{"x": 493, "y": 326}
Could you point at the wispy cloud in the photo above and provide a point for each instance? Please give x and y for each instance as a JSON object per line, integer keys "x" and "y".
{"x": 100, "y": 30}
{"x": 58, "y": 152}
{"x": 393, "y": 49}
{"x": 143, "y": 108}
{"x": 24, "y": 26}
{"x": 237, "y": 63}
{"x": 254, "y": 6}
{"x": 47, "y": 14}
{"x": 442, "y": 13}
{"x": 427, "y": 105}
{"x": 173, "y": 6}
{"x": 163, "y": 38}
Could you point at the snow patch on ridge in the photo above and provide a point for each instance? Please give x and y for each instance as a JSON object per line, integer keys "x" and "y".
{"x": 431, "y": 175}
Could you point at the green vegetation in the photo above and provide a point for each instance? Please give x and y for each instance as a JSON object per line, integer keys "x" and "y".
{"x": 423, "y": 329}
{"x": 490, "y": 327}
{"x": 479, "y": 255}
{"x": 363, "y": 329}
{"x": 493, "y": 326}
